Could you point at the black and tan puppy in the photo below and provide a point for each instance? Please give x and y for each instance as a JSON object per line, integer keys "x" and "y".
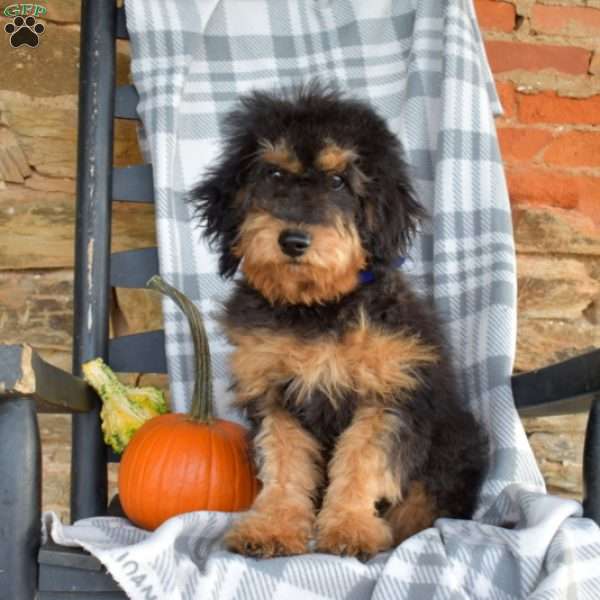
{"x": 359, "y": 436}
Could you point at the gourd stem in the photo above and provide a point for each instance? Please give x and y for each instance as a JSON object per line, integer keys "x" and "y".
{"x": 202, "y": 398}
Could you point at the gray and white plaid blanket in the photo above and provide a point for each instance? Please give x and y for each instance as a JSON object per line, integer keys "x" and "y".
{"x": 421, "y": 64}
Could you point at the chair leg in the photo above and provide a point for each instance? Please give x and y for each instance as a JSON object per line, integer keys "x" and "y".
{"x": 591, "y": 464}
{"x": 20, "y": 498}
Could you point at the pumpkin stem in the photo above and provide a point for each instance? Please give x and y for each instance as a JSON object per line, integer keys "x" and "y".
{"x": 202, "y": 399}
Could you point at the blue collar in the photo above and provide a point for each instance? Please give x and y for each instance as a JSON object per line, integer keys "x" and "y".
{"x": 369, "y": 277}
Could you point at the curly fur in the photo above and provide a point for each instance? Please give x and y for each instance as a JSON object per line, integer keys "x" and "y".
{"x": 358, "y": 375}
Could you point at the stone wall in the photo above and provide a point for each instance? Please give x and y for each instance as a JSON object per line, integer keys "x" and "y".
{"x": 545, "y": 60}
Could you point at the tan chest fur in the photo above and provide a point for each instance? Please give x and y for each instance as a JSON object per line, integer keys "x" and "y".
{"x": 365, "y": 360}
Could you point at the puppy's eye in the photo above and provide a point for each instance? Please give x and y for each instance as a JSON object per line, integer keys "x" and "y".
{"x": 336, "y": 183}
{"x": 275, "y": 174}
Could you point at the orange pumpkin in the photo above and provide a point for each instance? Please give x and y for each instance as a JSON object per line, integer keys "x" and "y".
{"x": 178, "y": 463}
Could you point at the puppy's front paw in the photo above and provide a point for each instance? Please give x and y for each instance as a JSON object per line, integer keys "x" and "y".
{"x": 360, "y": 535}
{"x": 265, "y": 536}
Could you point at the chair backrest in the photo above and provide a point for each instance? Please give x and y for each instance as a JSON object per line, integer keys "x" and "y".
{"x": 96, "y": 271}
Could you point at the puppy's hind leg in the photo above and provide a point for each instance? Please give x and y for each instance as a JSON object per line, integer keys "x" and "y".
{"x": 282, "y": 518}
{"x": 414, "y": 513}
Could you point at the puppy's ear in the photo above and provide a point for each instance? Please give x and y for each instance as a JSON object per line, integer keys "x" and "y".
{"x": 217, "y": 199}
{"x": 391, "y": 212}
{"x": 214, "y": 202}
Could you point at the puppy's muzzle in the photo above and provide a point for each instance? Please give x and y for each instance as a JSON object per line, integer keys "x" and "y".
{"x": 294, "y": 242}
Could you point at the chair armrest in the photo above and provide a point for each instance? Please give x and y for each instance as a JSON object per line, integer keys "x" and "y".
{"x": 569, "y": 387}
{"x": 21, "y": 495}
{"x": 24, "y": 374}
{"x": 563, "y": 388}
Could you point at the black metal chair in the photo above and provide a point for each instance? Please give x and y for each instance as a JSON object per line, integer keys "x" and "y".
{"x": 29, "y": 385}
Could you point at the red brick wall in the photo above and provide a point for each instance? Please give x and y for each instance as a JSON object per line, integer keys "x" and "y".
{"x": 545, "y": 56}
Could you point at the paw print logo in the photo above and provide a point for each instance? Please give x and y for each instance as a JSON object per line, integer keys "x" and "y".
{"x": 24, "y": 32}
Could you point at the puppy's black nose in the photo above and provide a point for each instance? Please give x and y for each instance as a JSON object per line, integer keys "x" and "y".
{"x": 294, "y": 242}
